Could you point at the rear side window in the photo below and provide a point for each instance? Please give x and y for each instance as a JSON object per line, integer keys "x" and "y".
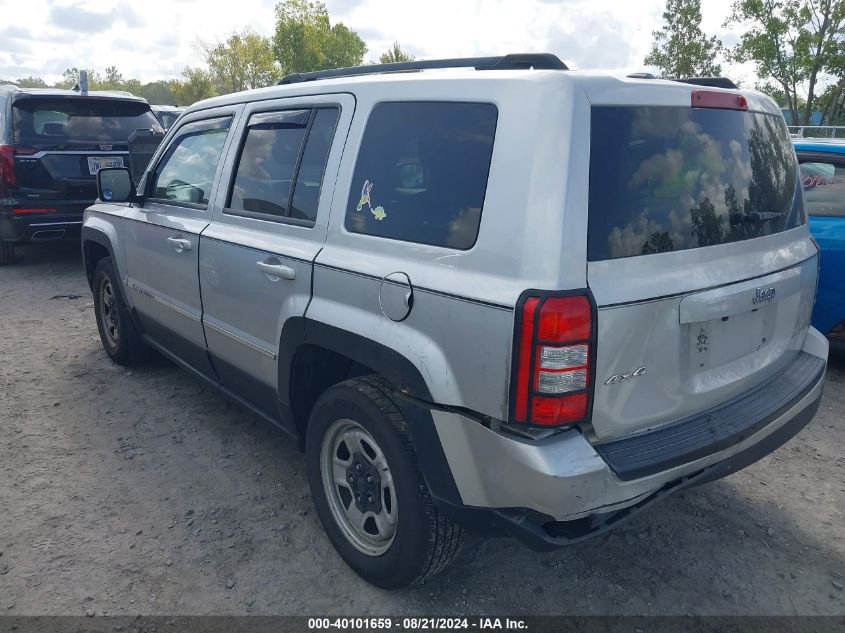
{"x": 185, "y": 172}
{"x": 281, "y": 164}
{"x": 38, "y": 121}
{"x": 421, "y": 173}
{"x": 824, "y": 188}
{"x": 671, "y": 178}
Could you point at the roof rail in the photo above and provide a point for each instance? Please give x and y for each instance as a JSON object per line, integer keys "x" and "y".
{"x": 713, "y": 82}
{"x": 515, "y": 61}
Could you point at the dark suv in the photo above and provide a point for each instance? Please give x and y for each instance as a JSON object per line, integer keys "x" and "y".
{"x": 52, "y": 142}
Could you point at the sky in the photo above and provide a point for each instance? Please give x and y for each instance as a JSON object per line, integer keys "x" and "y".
{"x": 156, "y": 39}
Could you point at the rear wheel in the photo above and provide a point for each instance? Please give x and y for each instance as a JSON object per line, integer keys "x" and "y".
{"x": 368, "y": 489}
{"x": 7, "y": 253}
{"x": 117, "y": 331}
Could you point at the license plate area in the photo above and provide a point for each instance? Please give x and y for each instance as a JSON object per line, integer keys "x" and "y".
{"x": 720, "y": 341}
{"x": 725, "y": 324}
{"x": 96, "y": 163}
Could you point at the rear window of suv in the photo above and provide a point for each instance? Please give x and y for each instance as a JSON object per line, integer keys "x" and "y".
{"x": 421, "y": 173}
{"x": 671, "y": 178}
{"x": 74, "y": 119}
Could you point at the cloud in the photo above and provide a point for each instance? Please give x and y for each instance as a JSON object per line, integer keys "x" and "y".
{"x": 588, "y": 34}
{"x": 77, "y": 18}
{"x": 16, "y": 33}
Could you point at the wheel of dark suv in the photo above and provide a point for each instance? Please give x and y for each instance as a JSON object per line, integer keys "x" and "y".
{"x": 7, "y": 253}
{"x": 117, "y": 332}
{"x": 368, "y": 489}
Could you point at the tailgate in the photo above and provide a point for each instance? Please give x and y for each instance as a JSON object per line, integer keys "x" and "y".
{"x": 699, "y": 256}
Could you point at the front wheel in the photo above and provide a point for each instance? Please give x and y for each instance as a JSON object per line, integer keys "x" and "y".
{"x": 117, "y": 331}
{"x": 368, "y": 489}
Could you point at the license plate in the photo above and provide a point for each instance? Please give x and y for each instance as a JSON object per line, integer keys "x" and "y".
{"x": 96, "y": 163}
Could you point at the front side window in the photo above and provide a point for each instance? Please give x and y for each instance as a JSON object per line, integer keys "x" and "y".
{"x": 186, "y": 171}
{"x": 281, "y": 165}
{"x": 421, "y": 173}
{"x": 824, "y": 188}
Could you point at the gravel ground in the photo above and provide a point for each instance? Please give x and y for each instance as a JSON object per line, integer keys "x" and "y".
{"x": 142, "y": 492}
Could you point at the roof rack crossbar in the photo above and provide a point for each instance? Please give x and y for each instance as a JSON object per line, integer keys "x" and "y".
{"x": 517, "y": 61}
{"x": 712, "y": 82}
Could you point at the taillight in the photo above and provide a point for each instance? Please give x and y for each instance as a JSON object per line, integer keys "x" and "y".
{"x": 7, "y": 166}
{"x": 553, "y": 359}
{"x": 8, "y": 177}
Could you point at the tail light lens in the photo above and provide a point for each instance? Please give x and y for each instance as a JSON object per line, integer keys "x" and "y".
{"x": 7, "y": 167}
{"x": 716, "y": 99}
{"x": 553, "y": 366}
{"x": 8, "y": 177}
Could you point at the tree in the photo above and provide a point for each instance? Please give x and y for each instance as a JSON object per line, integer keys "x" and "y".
{"x": 305, "y": 40}
{"x": 244, "y": 61}
{"x": 680, "y": 48}
{"x": 114, "y": 81}
{"x": 395, "y": 54}
{"x": 196, "y": 84}
{"x": 31, "y": 82}
{"x": 159, "y": 92}
{"x": 795, "y": 42}
{"x": 71, "y": 79}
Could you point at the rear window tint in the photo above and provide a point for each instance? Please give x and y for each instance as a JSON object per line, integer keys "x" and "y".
{"x": 824, "y": 188}
{"x": 280, "y": 168}
{"x": 79, "y": 119}
{"x": 268, "y": 159}
{"x": 421, "y": 173}
{"x": 670, "y": 178}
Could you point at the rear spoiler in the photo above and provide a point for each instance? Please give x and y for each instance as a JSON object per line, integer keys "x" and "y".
{"x": 712, "y": 82}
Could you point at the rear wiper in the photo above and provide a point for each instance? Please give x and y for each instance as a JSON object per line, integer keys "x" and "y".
{"x": 755, "y": 216}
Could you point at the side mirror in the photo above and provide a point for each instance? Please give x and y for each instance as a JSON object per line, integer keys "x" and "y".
{"x": 114, "y": 184}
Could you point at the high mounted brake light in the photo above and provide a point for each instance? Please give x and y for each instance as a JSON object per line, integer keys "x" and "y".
{"x": 717, "y": 99}
{"x": 554, "y": 359}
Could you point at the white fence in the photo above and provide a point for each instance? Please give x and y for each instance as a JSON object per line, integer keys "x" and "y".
{"x": 817, "y": 131}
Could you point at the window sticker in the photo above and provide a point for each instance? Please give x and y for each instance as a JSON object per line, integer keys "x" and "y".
{"x": 379, "y": 212}
{"x": 365, "y": 196}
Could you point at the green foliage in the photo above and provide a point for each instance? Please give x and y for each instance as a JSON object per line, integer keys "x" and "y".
{"x": 681, "y": 49}
{"x": 71, "y": 79}
{"x": 794, "y": 42}
{"x": 31, "y": 82}
{"x": 395, "y": 54}
{"x": 196, "y": 84}
{"x": 244, "y": 61}
{"x": 305, "y": 40}
{"x": 159, "y": 92}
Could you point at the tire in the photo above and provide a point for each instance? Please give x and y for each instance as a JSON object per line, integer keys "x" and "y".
{"x": 7, "y": 253}
{"x": 117, "y": 331}
{"x": 359, "y": 415}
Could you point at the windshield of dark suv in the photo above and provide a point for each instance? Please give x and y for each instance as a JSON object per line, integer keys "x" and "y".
{"x": 60, "y": 120}
{"x": 673, "y": 178}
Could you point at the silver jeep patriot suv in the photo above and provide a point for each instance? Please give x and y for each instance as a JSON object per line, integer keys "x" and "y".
{"x": 489, "y": 293}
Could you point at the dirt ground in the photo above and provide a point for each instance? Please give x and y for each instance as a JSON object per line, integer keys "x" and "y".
{"x": 142, "y": 492}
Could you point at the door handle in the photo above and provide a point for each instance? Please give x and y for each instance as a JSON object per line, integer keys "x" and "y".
{"x": 179, "y": 244}
{"x": 276, "y": 270}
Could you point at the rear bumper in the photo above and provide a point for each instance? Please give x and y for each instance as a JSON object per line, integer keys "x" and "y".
{"x": 41, "y": 227}
{"x": 559, "y": 491}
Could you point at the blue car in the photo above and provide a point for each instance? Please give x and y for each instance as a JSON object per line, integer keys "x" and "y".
{"x": 823, "y": 181}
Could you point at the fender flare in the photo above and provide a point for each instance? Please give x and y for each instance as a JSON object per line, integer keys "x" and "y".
{"x": 399, "y": 371}
{"x": 91, "y": 234}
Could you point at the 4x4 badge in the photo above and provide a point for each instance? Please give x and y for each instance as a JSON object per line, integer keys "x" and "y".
{"x": 627, "y": 375}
